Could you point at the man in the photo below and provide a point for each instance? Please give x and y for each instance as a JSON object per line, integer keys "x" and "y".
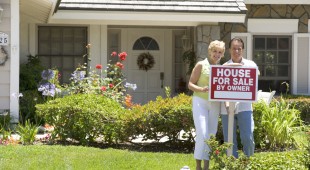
{"x": 244, "y": 111}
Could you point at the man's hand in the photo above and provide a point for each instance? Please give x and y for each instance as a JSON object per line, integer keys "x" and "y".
{"x": 232, "y": 64}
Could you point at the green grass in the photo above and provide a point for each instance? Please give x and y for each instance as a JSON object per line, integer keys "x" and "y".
{"x": 77, "y": 157}
{"x": 58, "y": 157}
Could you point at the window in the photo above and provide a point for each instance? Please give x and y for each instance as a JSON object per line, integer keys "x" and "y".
{"x": 62, "y": 48}
{"x": 272, "y": 54}
{"x": 145, "y": 43}
{"x": 179, "y": 69}
{"x": 114, "y": 39}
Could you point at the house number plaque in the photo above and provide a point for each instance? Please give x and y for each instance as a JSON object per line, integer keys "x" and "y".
{"x": 4, "y": 39}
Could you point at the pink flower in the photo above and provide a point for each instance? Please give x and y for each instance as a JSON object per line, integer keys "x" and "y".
{"x": 113, "y": 54}
{"x": 217, "y": 152}
{"x": 111, "y": 85}
{"x": 103, "y": 88}
{"x": 120, "y": 65}
{"x": 122, "y": 56}
{"x": 98, "y": 66}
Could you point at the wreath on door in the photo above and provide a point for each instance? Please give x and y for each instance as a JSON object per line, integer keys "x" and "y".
{"x": 145, "y": 61}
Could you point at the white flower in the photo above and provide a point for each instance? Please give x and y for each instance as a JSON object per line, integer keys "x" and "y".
{"x": 17, "y": 96}
{"x": 131, "y": 86}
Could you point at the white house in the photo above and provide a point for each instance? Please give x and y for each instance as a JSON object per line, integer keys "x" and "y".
{"x": 276, "y": 34}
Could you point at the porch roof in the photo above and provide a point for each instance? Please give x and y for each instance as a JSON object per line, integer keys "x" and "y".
{"x": 149, "y": 12}
{"x": 201, "y": 6}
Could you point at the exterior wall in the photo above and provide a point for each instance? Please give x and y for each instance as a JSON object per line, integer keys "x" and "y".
{"x": 9, "y": 72}
{"x": 206, "y": 34}
{"x": 5, "y": 27}
{"x": 286, "y": 19}
{"x": 301, "y": 12}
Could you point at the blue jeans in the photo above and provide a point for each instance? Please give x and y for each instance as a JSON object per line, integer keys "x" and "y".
{"x": 245, "y": 122}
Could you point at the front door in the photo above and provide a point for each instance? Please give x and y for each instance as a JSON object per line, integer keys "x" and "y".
{"x": 150, "y": 83}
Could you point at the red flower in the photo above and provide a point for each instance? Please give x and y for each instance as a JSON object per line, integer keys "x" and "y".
{"x": 111, "y": 85}
{"x": 103, "y": 88}
{"x": 217, "y": 152}
{"x": 122, "y": 56}
{"x": 98, "y": 66}
{"x": 113, "y": 54}
{"x": 120, "y": 65}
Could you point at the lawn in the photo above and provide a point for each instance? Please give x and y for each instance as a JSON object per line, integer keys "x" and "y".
{"x": 17, "y": 157}
{"x": 77, "y": 157}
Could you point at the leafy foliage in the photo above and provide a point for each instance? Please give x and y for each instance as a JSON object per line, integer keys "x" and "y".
{"x": 189, "y": 57}
{"x": 275, "y": 124}
{"x": 108, "y": 82}
{"x": 29, "y": 78}
{"x": 221, "y": 160}
{"x": 303, "y": 105}
{"x": 162, "y": 117}
{"x": 280, "y": 160}
{"x": 27, "y": 106}
{"x": 30, "y": 74}
{"x": 83, "y": 117}
{"x": 27, "y": 132}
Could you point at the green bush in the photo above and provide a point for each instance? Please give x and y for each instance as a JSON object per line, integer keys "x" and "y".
{"x": 27, "y": 106}
{"x": 259, "y": 134}
{"x": 275, "y": 124}
{"x": 280, "y": 160}
{"x": 83, "y": 117}
{"x": 303, "y": 105}
{"x": 162, "y": 117}
{"x": 30, "y": 74}
{"x": 29, "y": 78}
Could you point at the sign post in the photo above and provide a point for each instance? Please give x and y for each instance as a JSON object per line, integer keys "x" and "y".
{"x": 233, "y": 84}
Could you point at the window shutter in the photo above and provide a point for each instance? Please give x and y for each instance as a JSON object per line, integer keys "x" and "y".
{"x": 301, "y": 64}
{"x": 247, "y": 39}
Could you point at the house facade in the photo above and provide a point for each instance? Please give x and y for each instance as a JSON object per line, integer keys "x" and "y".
{"x": 275, "y": 32}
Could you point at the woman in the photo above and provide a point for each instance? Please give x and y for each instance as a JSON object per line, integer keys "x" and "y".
{"x": 205, "y": 113}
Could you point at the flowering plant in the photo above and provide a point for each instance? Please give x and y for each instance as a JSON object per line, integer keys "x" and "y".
{"x": 221, "y": 160}
{"x": 108, "y": 82}
{"x": 49, "y": 85}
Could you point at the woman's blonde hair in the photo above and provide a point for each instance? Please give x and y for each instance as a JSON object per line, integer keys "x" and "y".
{"x": 216, "y": 44}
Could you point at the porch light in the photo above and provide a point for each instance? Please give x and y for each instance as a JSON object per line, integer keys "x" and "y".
{"x": 186, "y": 42}
{"x": 1, "y": 12}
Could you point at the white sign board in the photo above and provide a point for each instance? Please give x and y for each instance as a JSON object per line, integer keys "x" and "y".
{"x": 4, "y": 39}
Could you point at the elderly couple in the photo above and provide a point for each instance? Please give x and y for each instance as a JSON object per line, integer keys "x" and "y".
{"x": 206, "y": 113}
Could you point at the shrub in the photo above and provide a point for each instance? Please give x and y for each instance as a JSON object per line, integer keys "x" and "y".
{"x": 83, "y": 117}
{"x": 280, "y": 160}
{"x": 278, "y": 122}
{"x": 27, "y": 106}
{"x": 259, "y": 134}
{"x": 29, "y": 77}
{"x": 30, "y": 74}
{"x": 162, "y": 117}
{"x": 303, "y": 105}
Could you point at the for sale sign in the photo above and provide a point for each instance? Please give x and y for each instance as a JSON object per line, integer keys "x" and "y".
{"x": 233, "y": 83}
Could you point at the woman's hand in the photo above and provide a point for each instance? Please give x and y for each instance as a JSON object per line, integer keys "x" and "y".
{"x": 205, "y": 89}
